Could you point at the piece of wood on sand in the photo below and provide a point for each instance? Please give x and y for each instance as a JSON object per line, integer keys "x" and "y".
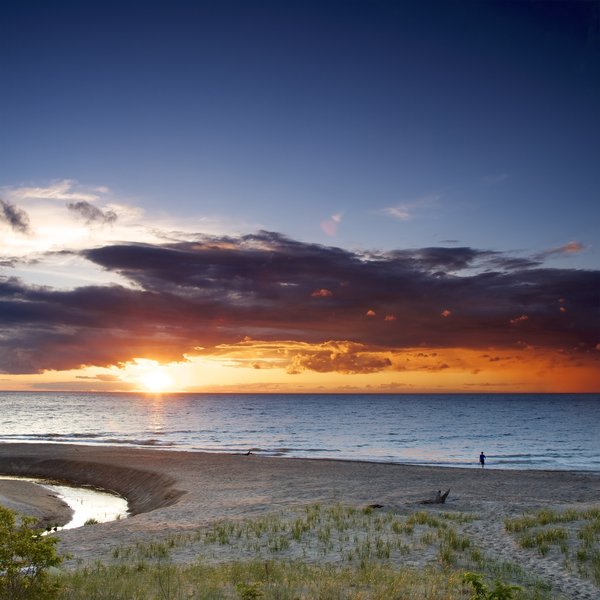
{"x": 439, "y": 498}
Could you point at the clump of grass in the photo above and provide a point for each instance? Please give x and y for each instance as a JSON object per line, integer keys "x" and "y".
{"x": 583, "y": 540}
{"x": 451, "y": 543}
{"x": 546, "y": 536}
{"x": 595, "y": 566}
{"x": 590, "y": 532}
{"x": 249, "y": 591}
{"x": 424, "y": 518}
{"x": 548, "y": 517}
{"x": 458, "y": 517}
{"x": 91, "y": 521}
{"x": 453, "y": 540}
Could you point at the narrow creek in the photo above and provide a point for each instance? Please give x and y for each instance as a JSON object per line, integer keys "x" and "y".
{"x": 88, "y": 504}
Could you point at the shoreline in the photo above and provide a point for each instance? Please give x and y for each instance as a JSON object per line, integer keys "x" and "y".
{"x": 176, "y": 494}
{"x": 45, "y": 460}
{"x": 152, "y": 479}
{"x": 490, "y": 465}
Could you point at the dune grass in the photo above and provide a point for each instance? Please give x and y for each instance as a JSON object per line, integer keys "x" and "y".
{"x": 577, "y": 539}
{"x": 257, "y": 579}
{"x": 317, "y": 552}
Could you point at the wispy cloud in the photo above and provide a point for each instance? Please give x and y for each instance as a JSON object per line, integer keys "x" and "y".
{"x": 64, "y": 189}
{"x": 566, "y": 250}
{"x": 405, "y": 211}
{"x": 331, "y": 224}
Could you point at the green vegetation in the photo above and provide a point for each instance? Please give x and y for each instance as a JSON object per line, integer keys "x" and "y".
{"x": 481, "y": 591}
{"x": 25, "y": 556}
{"x": 580, "y": 541}
{"x": 322, "y": 533}
{"x": 278, "y": 580}
{"x": 316, "y": 552}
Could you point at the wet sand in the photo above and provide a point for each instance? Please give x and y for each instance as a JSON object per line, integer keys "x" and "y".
{"x": 177, "y": 492}
{"x": 35, "y": 501}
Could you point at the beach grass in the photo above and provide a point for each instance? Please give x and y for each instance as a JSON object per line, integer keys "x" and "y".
{"x": 328, "y": 534}
{"x": 577, "y": 539}
{"x": 267, "y": 580}
{"x": 320, "y": 552}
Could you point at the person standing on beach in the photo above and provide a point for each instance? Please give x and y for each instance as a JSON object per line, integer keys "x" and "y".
{"x": 482, "y": 459}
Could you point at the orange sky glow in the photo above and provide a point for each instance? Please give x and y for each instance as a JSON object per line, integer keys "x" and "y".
{"x": 255, "y": 367}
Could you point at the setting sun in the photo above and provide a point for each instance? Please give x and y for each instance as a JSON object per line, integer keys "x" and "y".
{"x": 156, "y": 380}
{"x": 151, "y": 376}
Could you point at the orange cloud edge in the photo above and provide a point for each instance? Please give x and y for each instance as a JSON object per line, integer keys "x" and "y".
{"x": 254, "y": 366}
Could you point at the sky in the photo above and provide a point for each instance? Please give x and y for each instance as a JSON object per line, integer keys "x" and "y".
{"x": 302, "y": 196}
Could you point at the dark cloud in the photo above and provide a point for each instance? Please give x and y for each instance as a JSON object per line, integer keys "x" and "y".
{"x": 92, "y": 214}
{"x": 512, "y": 263}
{"x": 16, "y": 217}
{"x": 440, "y": 258}
{"x": 215, "y": 291}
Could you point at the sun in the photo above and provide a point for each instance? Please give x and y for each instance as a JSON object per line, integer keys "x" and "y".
{"x": 156, "y": 380}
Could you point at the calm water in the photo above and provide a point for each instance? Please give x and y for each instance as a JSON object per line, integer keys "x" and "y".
{"x": 515, "y": 431}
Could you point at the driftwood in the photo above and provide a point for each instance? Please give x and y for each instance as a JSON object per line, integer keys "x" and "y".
{"x": 439, "y": 498}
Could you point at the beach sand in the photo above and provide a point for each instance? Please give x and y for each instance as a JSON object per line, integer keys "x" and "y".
{"x": 173, "y": 492}
{"x": 35, "y": 501}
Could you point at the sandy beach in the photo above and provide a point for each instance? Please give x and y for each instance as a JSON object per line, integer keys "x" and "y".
{"x": 171, "y": 493}
{"x": 33, "y": 500}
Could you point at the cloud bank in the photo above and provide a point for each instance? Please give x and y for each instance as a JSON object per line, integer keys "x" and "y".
{"x": 211, "y": 291}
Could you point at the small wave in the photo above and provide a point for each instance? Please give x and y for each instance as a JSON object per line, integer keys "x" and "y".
{"x": 136, "y": 442}
{"x": 273, "y": 451}
{"x": 51, "y": 436}
{"x": 45, "y": 437}
{"x": 512, "y": 456}
{"x": 531, "y": 461}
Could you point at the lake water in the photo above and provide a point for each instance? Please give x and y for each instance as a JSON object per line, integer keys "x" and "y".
{"x": 516, "y": 431}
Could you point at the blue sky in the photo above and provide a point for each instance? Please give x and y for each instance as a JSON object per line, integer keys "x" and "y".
{"x": 451, "y": 139}
{"x": 478, "y": 119}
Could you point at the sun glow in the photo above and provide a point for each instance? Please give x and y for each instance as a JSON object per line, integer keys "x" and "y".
{"x": 156, "y": 381}
{"x": 149, "y": 375}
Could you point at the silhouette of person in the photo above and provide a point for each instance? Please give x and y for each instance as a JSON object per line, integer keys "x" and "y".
{"x": 482, "y": 460}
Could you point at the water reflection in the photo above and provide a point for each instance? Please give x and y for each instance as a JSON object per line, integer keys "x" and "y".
{"x": 87, "y": 504}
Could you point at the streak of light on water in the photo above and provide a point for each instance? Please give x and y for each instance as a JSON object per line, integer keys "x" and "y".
{"x": 89, "y": 503}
